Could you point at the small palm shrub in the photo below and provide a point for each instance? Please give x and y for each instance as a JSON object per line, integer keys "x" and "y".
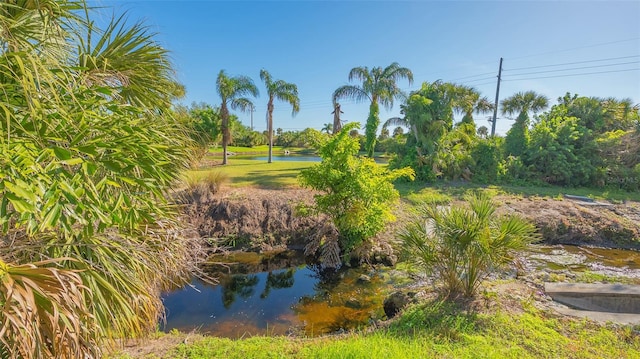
{"x": 461, "y": 245}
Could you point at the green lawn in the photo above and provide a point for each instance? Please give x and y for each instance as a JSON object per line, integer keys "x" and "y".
{"x": 282, "y": 174}
{"x": 438, "y": 330}
{"x": 243, "y": 173}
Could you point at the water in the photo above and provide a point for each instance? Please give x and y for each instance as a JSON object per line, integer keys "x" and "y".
{"x": 262, "y": 300}
{"x": 280, "y": 294}
{"x": 611, "y": 262}
{"x": 296, "y": 158}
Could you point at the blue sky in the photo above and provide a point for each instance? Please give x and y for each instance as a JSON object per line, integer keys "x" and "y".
{"x": 314, "y": 44}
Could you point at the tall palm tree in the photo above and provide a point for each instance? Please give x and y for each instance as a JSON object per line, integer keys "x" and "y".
{"x": 337, "y": 124}
{"x": 467, "y": 101}
{"x": 280, "y": 90}
{"x": 379, "y": 86}
{"x": 522, "y": 103}
{"x": 517, "y": 137}
{"x": 232, "y": 90}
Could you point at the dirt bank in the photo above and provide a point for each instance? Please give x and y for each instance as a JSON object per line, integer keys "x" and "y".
{"x": 565, "y": 221}
{"x": 266, "y": 219}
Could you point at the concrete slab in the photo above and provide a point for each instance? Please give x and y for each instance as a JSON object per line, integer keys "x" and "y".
{"x": 607, "y": 298}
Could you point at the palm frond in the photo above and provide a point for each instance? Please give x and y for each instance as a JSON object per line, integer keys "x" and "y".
{"x": 351, "y": 92}
{"x": 360, "y": 74}
{"x": 243, "y": 104}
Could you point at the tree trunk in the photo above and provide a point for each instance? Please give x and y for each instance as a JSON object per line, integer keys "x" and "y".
{"x": 226, "y": 136}
{"x": 270, "y": 128}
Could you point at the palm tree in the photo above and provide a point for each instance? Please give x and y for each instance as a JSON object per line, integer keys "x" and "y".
{"x": 467, "y": 101}
{"x": 483, "y": 131}
{"x": 378, "y": 86}
{"x": 283, "y": 91}
{"x": 231, "y": 91}
{"x": 517, "y": 137}
{"x": 327, "y": 128}
{"x": 522, "y": 103}
{"x": 128, "y": 60}
{"x": 462, "y": 245}
{"x": 337, "y": 124}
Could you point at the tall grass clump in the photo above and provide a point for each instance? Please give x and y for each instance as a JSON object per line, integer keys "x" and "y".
{"x": 462, "y": 244}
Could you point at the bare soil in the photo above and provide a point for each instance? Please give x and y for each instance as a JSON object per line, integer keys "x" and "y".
{"x": 261, "y": 219}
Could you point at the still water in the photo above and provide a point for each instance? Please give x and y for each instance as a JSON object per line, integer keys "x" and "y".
{"x": 281, "y": 294}
{"x": 259, "y": 299}
{"x": 297, "y": 158}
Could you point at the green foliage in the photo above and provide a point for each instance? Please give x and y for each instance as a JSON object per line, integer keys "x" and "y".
{"x": 379, "y": 86}
{"x": 371, "y": 127}
{"x": 356, "y": 192}
{"x": 517, "y": 139}
{"x": 562, "y": 152}
{"x": 87, "y": 155}
{"x": 462, "y": 245}
{"x": 486, "y": 155}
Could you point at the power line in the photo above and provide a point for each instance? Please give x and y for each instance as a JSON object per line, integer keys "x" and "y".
{"x": 581, "y": 74}
{"x": 466, "y": 77}
{"x": 575, "y": 68}
{"x": 576, "y": 48}
{"x": 573, "y": 63}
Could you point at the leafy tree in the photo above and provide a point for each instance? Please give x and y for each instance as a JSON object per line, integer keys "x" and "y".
{"x": 378, "y": 86}
{"x": 558, "y": 152}
{"x": 282, "y": 91}
{"x": 522, "y": 102}
{"x": 231, "y": 91}
{"x": 486, "y": 156}
{"x": 87, "y": 155}
{"x": 462, "y": 245}
{"x": 356, "y": 192}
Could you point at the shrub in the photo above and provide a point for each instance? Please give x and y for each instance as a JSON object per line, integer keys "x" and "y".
{"x": 356, "y": 192}
{"x": 461, "y": 245}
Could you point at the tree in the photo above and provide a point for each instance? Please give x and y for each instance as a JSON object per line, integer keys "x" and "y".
{"x": 462, "y": 245}
{"x": 231, "y": 91}
{"x": 483, "y": 131}
{"x": 87, "y": 157}
{"x": 327, "y": 128}
{"x": 356, "y": 192}
{"x": 518, "y": 135}
{"x": 337, "y": 124}
{"x": 379, "y": 86}
{"x": 278, "y": 90}
{"x": 467, "y": 101}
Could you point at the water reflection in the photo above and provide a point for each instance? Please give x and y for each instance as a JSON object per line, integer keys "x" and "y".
{"x": 300, "y": 299}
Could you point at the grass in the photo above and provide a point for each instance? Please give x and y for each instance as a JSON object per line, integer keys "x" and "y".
{"x": 444, "y": 192}
{"x": 251, "y": 173}
{"x": 439, "y": 330}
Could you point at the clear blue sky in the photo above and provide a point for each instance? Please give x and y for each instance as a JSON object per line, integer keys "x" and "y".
{"x": 314, "y": 44}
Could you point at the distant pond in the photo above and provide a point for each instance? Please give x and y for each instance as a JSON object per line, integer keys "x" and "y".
{"x": 276, "y": 295}
{"x": 295, "y": 158}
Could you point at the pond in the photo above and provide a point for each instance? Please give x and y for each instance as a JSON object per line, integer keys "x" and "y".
{"x": 296, "y": 158}
{"x": 277, "y": 295}
{"x": 281, "y": 294}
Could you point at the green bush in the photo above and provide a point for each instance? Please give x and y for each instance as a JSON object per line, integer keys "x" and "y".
{"x": 461, "y": 245}
{"x": 356, "y": 192}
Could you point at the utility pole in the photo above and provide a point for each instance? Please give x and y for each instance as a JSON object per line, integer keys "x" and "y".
{"x": 495, "y": 108}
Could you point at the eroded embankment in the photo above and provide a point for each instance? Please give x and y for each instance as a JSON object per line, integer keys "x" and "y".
{"x": 264, "y": 219}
